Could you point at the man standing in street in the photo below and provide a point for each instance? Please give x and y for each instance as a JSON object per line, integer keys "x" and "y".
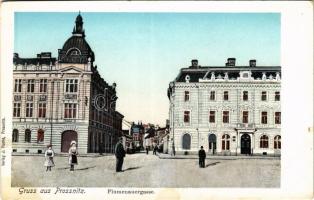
{"x": 120, "y": 154}
{"x": 202, "y": 156}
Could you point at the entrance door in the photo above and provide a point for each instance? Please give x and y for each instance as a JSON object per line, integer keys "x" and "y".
{"x": 66, "y": 139}
{"x": 245, "y": 144}
{"x": 212, "y": 143}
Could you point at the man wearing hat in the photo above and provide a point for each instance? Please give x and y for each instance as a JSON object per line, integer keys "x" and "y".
{"x": 202, "y": 156}
{"x": 120, "y": 154}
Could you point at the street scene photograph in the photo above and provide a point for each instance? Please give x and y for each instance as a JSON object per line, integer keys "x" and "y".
{"x": 153, "y": 100}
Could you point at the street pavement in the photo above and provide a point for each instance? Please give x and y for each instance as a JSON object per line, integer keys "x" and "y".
{"x": 141, "y": 170}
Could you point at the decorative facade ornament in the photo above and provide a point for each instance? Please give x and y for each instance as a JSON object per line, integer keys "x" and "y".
{"x": 187, "y": 78}
{"x": 212, "y": 77}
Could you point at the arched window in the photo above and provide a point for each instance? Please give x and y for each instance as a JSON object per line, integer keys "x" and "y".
{"x": 27, "y": 135}
{"x": 186, "y": 141}
{"x": 277, "y": 142}
{"x": 15, "y": 135}
{"x": 225, "y": 142}
{"x": 74, "y": 52}
{"x": 40, "y": 135}
{"x": 263, "y": 141}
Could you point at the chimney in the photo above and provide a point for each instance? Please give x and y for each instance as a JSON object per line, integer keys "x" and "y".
{"x": 194, "y": 63}
{"x": 231, "y": 62}
{"x": 252, "y": 63}
{"x": 45, "y": 55}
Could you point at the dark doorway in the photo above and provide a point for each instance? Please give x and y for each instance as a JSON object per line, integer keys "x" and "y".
{"x": 245, "y": 144}
{"x": 186, "y": 144}
{"x": 212, "y": 143}
{"x": 67, "y": 137}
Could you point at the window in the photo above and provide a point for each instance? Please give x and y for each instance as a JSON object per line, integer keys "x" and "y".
{"x": 245, "y": 75}
{"x": 212, "y": 116}
{"x": 226, "y": 95}
{"x": 30, "y": 85}
{"x": 277, "y": 117}
{"x": 277, "y": 142}
{"x": 15, "y": 135}
{"x": 41, "y": 110}
{"x": 225, "y": 142}
{"x": 27, "y": 135}
{"x": 264, "y": 96}
{"x": 212, "y": 95}
{"x": 18, "y": 85}
{"x": 263, "y": 141}
{"x": 225, "y": 116}
{"x": 245, "y": 117}
{"x": 29, "y": 109}
{"x": 186, "y": 141}
{"x": 264, "y": 117}
{"x": 17, "y": 110}
{"x": 186, "y": 116}
{"x": 70, "y": 110}
{"x": 43, "y": 85}
{"x": 71, "y": 85}
{"x": 245, "y": 95}
{"x": 186, "y": 95}
{"x": 40, "y": 135}
{"x": 277, "y": 96}
{"x": 75, "y": 52}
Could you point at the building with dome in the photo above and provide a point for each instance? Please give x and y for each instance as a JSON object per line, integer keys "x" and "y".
{"x": 229, "y": 110}
{"x": 58, "y": 100}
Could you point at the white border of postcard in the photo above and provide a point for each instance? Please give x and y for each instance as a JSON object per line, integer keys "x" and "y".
{"x": 297, "y": 95}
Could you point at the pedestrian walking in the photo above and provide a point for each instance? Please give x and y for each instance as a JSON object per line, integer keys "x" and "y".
{"x": 101, "y": 148}
{"x": 155, "y": 150}
{"x": 202, "y": 156}
{"x": 49, "y": 154}
{"x": 120, "y": 154}
{"x": 73, "y": 155}
{"x": 147, "y": 150}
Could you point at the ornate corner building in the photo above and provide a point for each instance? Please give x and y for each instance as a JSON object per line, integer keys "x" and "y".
{"x": 229, "y": 110}
{"x": 57, "y": 100}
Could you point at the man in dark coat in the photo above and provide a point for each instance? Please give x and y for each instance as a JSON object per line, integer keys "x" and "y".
{"x": 202, "y": 156}
{"x": 120, "y": 154}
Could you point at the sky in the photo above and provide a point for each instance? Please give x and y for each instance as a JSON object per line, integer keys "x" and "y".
{"x": 143, "y": 52}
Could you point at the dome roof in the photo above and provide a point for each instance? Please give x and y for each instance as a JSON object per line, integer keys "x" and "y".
{"x": 76, "y": 49}
{"x": 76, "y": 42}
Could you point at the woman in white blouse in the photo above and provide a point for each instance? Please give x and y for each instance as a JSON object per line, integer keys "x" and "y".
{"x": 49, "y": 154}
{"x": 72, "y": 155}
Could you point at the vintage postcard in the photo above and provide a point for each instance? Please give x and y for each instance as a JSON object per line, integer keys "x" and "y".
{"x": 156, "y": 100}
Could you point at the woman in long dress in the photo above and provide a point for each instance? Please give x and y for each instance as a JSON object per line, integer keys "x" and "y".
{"x": 72, "y": 155}
{"x": 49, "y": 154}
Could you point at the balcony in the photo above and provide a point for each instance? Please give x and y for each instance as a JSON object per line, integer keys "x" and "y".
{"x": 70, "y": 96}
{"x": 246, "y": 126}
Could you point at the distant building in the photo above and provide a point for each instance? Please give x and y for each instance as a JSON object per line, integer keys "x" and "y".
{"x": 57, "y": 100}
{"x": 149, "y": 138}
{"x": 227, "y": 109}
{"x": 162, "y": 139}
{"x": 127, "y": 141}
{"x": 137, "y": 132}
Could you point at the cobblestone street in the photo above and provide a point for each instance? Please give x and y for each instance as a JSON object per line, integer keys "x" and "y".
{"x": 141, "y": 170}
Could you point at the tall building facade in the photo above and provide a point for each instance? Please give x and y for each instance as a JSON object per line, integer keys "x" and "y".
{"x": 57, "y": 100}
{"x": 229, "y": 110}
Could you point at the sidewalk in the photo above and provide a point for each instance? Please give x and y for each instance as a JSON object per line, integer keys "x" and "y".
{"x": 64, "y": 154}
{"x": 216, "y": 157}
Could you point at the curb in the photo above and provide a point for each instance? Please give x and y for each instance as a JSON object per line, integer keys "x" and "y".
{"x": 224, "y": 158}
